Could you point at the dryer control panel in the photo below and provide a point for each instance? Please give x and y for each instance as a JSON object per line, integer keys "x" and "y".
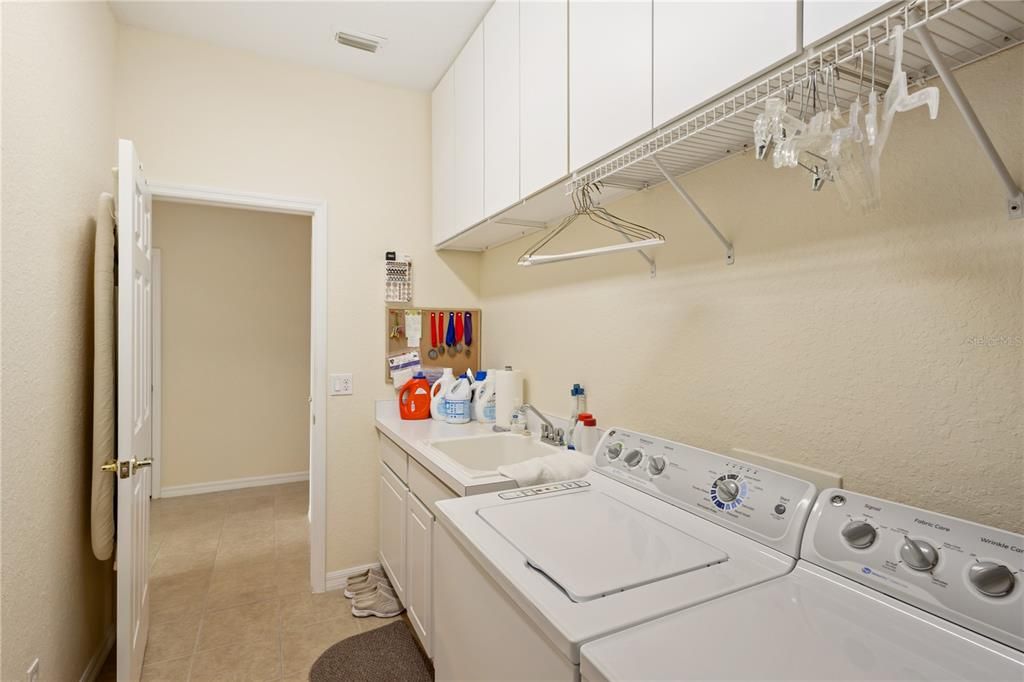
{"x": 961, "y": 571}
{"x": 759, "y": 503}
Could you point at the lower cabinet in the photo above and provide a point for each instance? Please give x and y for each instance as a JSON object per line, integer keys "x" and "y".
{"x": 392, "y": 496}
{"x": 419, "y": 531}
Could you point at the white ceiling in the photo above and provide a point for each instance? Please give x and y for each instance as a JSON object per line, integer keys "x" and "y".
{"x": 422, "y": 37}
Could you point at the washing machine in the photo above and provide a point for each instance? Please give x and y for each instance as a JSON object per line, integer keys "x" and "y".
{"x": 882, "y": 591}
{"x": 524, "y": 578}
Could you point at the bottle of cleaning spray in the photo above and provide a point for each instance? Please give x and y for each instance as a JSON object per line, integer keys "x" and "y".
{"x": 580, "y": 406}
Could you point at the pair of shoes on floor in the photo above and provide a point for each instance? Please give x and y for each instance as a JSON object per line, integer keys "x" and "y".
{"x": 371, "y": 595}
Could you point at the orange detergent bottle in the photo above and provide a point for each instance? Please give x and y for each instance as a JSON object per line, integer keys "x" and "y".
{"x": 414, "y": 398}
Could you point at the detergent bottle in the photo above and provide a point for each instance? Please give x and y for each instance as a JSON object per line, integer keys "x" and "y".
{"x": 414, "y": 398}
{"x": 457, "y": 401}
{"x": 483, "y": 397}
{"x": 438, "y": 392}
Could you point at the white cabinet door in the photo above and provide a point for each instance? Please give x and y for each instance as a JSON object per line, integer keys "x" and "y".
{"x": 609, "y": 76}
{"x": 501, "y": 106}
{"x": 702, "y": 49}
{"x": 392, "y": 529}
{"x": 419, "y": 585}
{"x": 544, "y": 88}
{"x": 442, "y": 151}
{"x": 469, "y": 133}
{"x": 822, "y": 18}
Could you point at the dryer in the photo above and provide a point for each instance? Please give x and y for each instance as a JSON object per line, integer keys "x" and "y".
{"x": 524, "y": 578}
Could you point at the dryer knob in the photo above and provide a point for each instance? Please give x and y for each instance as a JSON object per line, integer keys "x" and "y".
{"x": 859, "y": 534}
{"x": 918, "y": 554}
{"x": 991, "y": 579}
{"x": 613, "y": 451}
{"x": 728, "y": 490}
{"x": 633, "y": 458}
{"x": 656, "y": 465}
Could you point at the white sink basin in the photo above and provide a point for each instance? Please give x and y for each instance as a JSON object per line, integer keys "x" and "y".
{"x": 482, "y": 455}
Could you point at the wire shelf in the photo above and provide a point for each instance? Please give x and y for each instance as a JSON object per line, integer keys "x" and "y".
{"x": 964, "y": 30}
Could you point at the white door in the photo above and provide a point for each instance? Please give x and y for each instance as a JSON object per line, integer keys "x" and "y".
{"x": 442, "y": 122}
{"x": 418, "y": 558}
{"x": 469, "y": 133}
{"x": 688, "y": 34}
{"x": 134, "y": 409}
{"x": 609, "y": 76}
{"x": 392, "y": 528}
{"x": 501, "y": 106}
{"x": 544, "y": 88}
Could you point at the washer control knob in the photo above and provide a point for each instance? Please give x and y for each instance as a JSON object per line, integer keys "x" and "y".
{"x": 728, "y": 490}
{"x": 991, "y": 579}
{"x": 918, "y": 554}
{"x": 656, "y": 465}
{"x": 859, "y": 534}
{"x": 633, "y": 458}
{"x": 614, "y": 450}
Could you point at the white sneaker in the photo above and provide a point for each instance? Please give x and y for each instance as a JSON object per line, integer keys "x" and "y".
{"x": 362, "y": 578}
{"x": 365, "y": 588}
{"x": 382, "y": 603}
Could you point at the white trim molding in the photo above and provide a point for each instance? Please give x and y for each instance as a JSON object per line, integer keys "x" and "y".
{"x": 336, "y": 579}
{"x": 317, "y": 210}
{"x": 234, "y": 484}
{"x": 100, "y": 657}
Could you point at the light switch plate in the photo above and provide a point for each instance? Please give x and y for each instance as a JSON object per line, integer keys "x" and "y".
{"x": 341, "y": 384}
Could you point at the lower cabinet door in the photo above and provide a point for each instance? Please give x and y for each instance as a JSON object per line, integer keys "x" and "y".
{"x": 419, "y": 586}
{"x": 392, "y": 529}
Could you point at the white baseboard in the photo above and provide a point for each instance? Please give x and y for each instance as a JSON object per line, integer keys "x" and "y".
{"x": 233, "y": 484}
{"x": 100, "y": 657}
{"x": 336, "y": 579}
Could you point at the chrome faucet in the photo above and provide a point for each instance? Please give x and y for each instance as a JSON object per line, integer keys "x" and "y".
{"x": 549, "y": 433}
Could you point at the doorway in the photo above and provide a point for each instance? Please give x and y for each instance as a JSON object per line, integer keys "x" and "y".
{"x": 312, "y": 215}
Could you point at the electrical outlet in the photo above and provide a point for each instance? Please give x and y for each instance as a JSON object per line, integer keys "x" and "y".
{"x": 341, "y": 384}
{"x": 33, "y": 671}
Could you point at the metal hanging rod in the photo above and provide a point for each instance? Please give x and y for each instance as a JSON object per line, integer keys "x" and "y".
{"x": 963, "y": 32}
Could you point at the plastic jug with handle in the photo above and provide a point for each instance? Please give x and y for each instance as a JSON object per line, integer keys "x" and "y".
{"x": 438, "y": 393}
{"x": 483, "y": 397}
{"x": 414, "y": 398}
{"x": 457, "y": 401}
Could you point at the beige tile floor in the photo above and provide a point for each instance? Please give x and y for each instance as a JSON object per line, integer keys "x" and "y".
{"x": 230, "y": 597}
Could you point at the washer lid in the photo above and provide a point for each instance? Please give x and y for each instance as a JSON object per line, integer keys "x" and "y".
{"x": 592, "y": 545}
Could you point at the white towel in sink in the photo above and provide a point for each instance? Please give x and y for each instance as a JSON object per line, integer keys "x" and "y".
{"x": 562, "y": 466}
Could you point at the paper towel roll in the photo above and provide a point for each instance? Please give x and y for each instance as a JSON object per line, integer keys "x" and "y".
{"x": 508, "y": 390}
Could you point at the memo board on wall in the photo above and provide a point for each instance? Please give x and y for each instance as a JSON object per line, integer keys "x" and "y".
{"x": 466, "y": 357}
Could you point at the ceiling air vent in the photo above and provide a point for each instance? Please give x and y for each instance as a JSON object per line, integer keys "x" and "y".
{"x": 367, "y": 42}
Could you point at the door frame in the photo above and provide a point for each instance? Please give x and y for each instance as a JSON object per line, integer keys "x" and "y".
{"x": 317, "y": 210}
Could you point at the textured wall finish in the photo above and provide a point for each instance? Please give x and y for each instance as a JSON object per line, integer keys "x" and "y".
{"x": 215, "y": 117}
{"x": 58, "y": 149}
{"x": 885, "y": 347}
{"x": 235, "y": 331}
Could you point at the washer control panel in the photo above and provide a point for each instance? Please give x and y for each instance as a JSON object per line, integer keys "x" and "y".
{"x": 764, "y": 505}
{"x": 958, "y": 570}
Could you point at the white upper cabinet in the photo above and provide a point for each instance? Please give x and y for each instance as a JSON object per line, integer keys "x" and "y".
{"x": 610, "y": 75}
{"x": 469, "y": 133}
{"x": 822, "y": 18}
{"x": 442, "y": 152}
{"x": 703, "y": 49}
{"x": 544, "y": 93}
{"x": 501, "y": 106}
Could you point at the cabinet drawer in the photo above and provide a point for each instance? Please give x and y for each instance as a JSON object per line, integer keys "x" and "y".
{"x": 425, "y": 486}
{"x": 394, "y": 457}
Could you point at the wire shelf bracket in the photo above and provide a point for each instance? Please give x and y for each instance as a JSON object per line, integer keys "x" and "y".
{"x": 1015, "y": 198}
{"x": 730, "y": 256}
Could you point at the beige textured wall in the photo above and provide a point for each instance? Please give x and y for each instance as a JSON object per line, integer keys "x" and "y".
{"x": 235, "y": 342}
{"x": 223, "y": 118}
{"x": 841, "y": 340}
{"x": 58, "y": 149}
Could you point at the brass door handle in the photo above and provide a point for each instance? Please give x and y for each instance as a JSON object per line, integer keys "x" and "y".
{"x": 139, "y": 463}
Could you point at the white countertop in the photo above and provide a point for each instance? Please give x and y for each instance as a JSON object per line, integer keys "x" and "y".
{"x": 413, "y": 435}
